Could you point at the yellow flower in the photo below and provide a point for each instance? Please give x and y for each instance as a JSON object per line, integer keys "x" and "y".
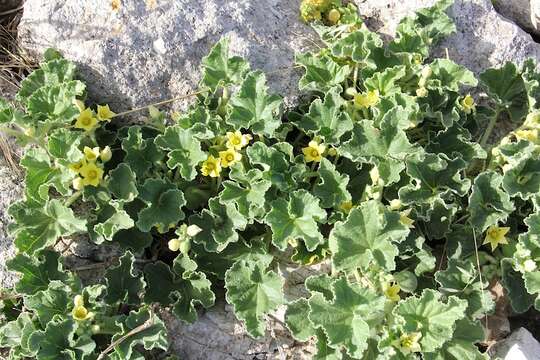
{"x": 391, "y": 291}
{"x": 346, "y": 206}
{"x": 235, "y": 140}
{"x": 91, "y": 154}
{"x": 533, "y": 119}
{"x": 496, "y": 235}
{"x": 468, "y": 104}
{"x": 530, "y": 135}
{"x": 86, "y": 120}
{"x": 79, "y": 312}
{"x": 367, "y": 99}
{"x": 76, "y": 167}
{"x": 104, "y": 113}
{"x": 92, "y": 174}
{"x": 333, "y": 16}
{"x": 408, "y": 343}
{"x": 405, "y": 219}
{"x": 314, "y": 151}
{"x": 229, "y": 157}
{"x": 77, "y": 183}
{"x": 211, "y": 167}
{"x": 105, "y": 154}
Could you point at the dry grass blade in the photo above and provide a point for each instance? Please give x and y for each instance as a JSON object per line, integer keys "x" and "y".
{"x": 9, "y": 155}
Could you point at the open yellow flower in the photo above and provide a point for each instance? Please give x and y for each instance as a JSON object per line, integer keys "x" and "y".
{"x": 495, "y": 235}
{"x": 391, "y": 291}
{"x": 91, "y": 154}
{"x": 92, "y": 174}
{"x": 408, "y": 343}
{"x": 405, "y": 219}
{"x": 86, "y": 120}
{"x": 346, "y": 206}
{"x": 367, "y": 99}
{"x": 211, "y": 167}
{"x": 314, "y": 151}
{"x": 468, "y": 104}
{"x": 79, "y": 312}
{"x": 76, "y": 167}
{"x": 529, "y": 135}
{"x": 229, "y": 157}
{"x": 236, "y": 140}
{"x": 104, "y": 113}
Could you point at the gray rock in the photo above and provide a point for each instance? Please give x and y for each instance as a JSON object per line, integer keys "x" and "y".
{"x": 525, "y": 13}
{"x": 520, "y": 345}
{"x": 144, "y": 53}
{"x": 483, "y": 39}
{"x": 10, "y": 190}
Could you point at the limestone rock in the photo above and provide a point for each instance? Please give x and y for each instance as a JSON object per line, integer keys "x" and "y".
{"x": 525, "y": 13}
{"x": 520, "y": 345}
{"x": 147, "y": 51}
{"x": 484, "y": 38}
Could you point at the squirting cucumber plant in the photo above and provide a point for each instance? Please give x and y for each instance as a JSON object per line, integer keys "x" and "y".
{"x": 386, "y": 172}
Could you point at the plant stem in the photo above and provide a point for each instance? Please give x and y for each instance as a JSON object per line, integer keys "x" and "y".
{"x": 161, "y": 103}
{"x": 489, "y": 129}
{"x": 73, "y": 198}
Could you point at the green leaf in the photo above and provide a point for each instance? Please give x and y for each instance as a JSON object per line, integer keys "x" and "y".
{"x": 462, "y": 346}
{"x": 386, "y": 147}
{"x": 51, "y": 73}
{"x": 505, "y": 85}
{"x": 141, "y": 153}
{"x": 219, "y": 224}
{"x": 57, "y": 342}
{"x": 219, "y": 69}
{"x": 113, "y": 218}
{"x": 461, "y": 279}
{"x": 298, "y": 323}
{"x": 523, "y": 179}
{"x": 123, "y": 183}
{"x": 367, "y": 237}
{"x": 253, "y": 292}
{"x": 41, "y": 175}
{"x": 37, "y": 228}
{"x": 430, "y": 316}
{"x": 296, "y": 218}
{"x": 55, "y": 104}
{"x": 55, "y": 300}
{"x": 322, "y": 72}
{"x": 164, "y": 205}
{"x": 184, "y": 150}
{"x": 252, "y": 107}
{"x": 124, "y": 284}
{"x": 514, "y": 286}
{"x": 446, "y": 74}
{"x": 489, "y": 204}
{"x": 153, "y": 335}
{"x": 437, "y": 217}
{"x": 247, "y": 192}
{"x": 347, "y": 318}
{"x": 331, "y": 188}
{"x": 385, "y": 81}
{"x": 433, "y": 176}
{"x": 455, "y": 142}
{"x": 36, "y": 271}
{"x": 15, "y": 335}
{"x": 327, "y": 119}
{"x": 425, "y": 28}
{"x": 275, "y": 163}
{"x": 133, "y": 239}
{"x": 358, "y": 47}
{"x": 64, "y": 145}
{"x": 183, "y": 287}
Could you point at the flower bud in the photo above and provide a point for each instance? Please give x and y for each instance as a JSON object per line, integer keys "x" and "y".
{"x": 421, "y": 92}
{"x": 153, "y": 112}
{"x": 105, "y": 154}
{"x": 529, "y": 265}
{"x": 193, "y": 230}
{"x": 333, "y": 16}
{"x": 78, "y": 300}
{"x": 395, "y": 204}
{"x": 77, "y": 183}
{"x": 174, "y": 244}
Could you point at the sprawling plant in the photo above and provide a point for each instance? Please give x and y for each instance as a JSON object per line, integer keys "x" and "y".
{"x": 386, "y": 173}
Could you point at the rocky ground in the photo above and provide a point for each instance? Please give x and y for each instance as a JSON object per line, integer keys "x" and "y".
{"x": 145, "y": 51}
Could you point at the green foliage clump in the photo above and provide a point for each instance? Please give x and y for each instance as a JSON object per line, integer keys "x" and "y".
{"x": 383, "y": 170}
